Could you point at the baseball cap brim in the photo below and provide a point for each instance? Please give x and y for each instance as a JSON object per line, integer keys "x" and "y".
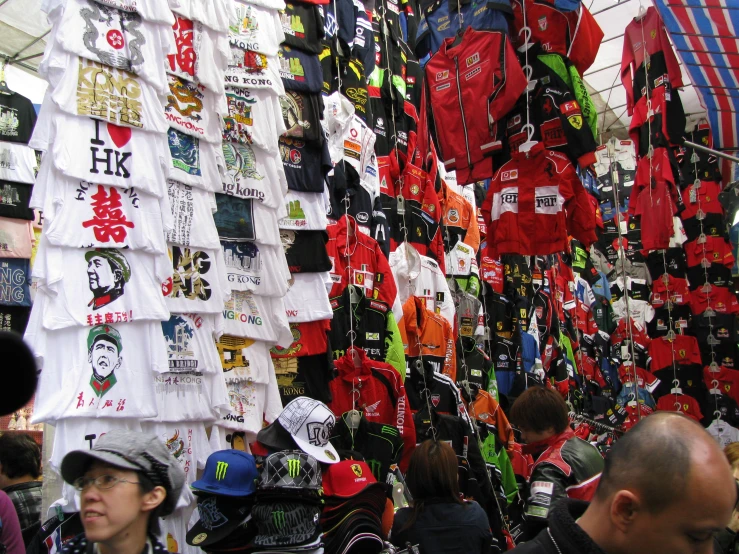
{"x": 275, "y": 437}
{"x": 76, "y": 463}
{"x": 202, "y": 537}
{"x": 325, "y": 454}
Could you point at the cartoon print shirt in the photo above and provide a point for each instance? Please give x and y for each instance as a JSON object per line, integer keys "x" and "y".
{"x": 194, "y": 110}
{"x": 307, "y": 299}
{"x": 244, "y": 359}
{"x": 107, "y": 35}
{"x": 254, "y": 117}
{"x": 251, "y": 404}
{"x": 195, "y": 162}
{"x": 250, "y": 172}
{"x": 15, "y": 282}
{"x": 306, "y": 211}
{"x": 100, "y": 152}
{"x": 17, "y": 163}
{"x": 256, "y": 317}
{"x": 16, "y": 238}
{"x": 255, "y": 28}
{"x": 17, "y": 118}
{"x": 192, "y": 215}
{"x": 256, "y": 267}
{"x": 197, "y": 281}
{"x": 242, "y": 219}
{"x": 252, "y": 70}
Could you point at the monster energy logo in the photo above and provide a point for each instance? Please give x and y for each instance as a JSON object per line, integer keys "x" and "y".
{"x": 293, "y": 467}
{"x": 278, "y": 518}
{"x": 375, "y": 466}
{"x": 221, "y": 468}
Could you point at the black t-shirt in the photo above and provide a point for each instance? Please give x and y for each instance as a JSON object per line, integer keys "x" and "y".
{"x": 304, "y": 376}
{"x": 676, "y": 264}
{"x": 17, "y": 118}
{"x": 713, "y": 225}
{"x": 305, "y": 164}
{"x": 718, "y": 275}
{"x": 305, "y": 251}
{"x": 14, "y": 199}
{"x": 305, "y": 28}
{"x": 302, "y": 113}
{"x": 659, "y": 326}
{"x": 300, "y": 71}
{"x": 14, "y": 318}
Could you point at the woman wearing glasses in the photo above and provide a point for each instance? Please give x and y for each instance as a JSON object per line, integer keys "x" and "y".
{"x": 126, "y": 482}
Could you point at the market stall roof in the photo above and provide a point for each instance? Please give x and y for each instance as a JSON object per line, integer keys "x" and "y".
{"x": 23, "y": 32}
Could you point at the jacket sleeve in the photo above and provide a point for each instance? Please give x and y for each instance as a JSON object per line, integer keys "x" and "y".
{"x": 472, "y": 236}
{"x": 384, "y": 279}
{"x": 580, "y": 212}
{"x": 507, "y": 94}
{"x": 627, "y": 60}
{"x": 579, "y": 137}
{"x": 394, "y": 354}
{"x": 547, "y": 486}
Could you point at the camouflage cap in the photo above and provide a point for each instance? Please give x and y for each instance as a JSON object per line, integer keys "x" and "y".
{"x": 114, "y": 256}
{"x": 107, "y": 332}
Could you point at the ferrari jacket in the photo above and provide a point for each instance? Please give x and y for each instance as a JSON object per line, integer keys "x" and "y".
{"x": 459, "y": 220}
{"x": 375, "y": 328}
{"x": 533, "y": 203}
{"x": 376, "y": 389}
{"x": 428, "y": 339}
{"x": 469, "y": 87}
{"x": 567, "y": 467}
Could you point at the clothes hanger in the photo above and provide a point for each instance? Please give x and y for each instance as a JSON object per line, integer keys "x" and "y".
{"x": 642, "y": 13}
{"x": 676, "y": 387}
{"x": 3, "y": 85}
{"x": 460, "y": 31}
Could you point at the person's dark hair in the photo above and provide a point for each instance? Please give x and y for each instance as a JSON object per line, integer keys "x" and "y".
{"x": 147, "y": 485}
{"x": 432, "y": 474}
{"x": 19, "y": 455}
{"x": 539, "y": 409}
{"x": 653, "y": 458}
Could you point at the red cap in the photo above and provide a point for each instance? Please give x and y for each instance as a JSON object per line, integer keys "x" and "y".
{"x": 347, "y": 478}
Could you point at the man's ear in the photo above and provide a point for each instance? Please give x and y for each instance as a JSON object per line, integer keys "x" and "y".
{"x": 625, "y": 507}
{"x": 153, "y": 498}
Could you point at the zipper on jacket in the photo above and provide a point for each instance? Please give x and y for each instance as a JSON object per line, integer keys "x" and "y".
{"x": 461, "y": 109}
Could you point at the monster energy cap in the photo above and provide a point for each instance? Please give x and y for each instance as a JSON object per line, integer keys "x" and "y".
{"x": 291, "y": 470}
{"x": 310, "y": 423}
{"x": 220, "y": 516}
{"x": 135, "y": 451}
{"x": 228, "y": 473}
{"x": 286, "y": 522}
{"x": 114, "y": 256}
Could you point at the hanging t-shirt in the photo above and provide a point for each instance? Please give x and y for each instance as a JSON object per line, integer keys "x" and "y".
{"x": 105, "y": 371}
{"x": 197, "y": 282}
{"x": 14, "y": 318}
{"x": 251, "y": 172}
{"x": 100, "y": 285}
{"x": 307, "y": 299}
{"x": 300, "y": 71}
{"x": 196, "y": 53}
{"x": 82, "y": 215}
{"x": 16, "y": 238}
{"x": 195, "y": 162}
{"x": 150, "y": 10}
{"x": 256, "y": 267}
{"x": 17, "y": 118}
{"x": 244, "y": 359}
{"x": 14, "y": 200}
{"x": 305, "y": 165}
{"x": 302, "y": 25}
{"x": 17, "y": 163}
{"x": 256, "y": 317}
{"x": 306, "y": 211}
{"x": 87, "y": 88}
{"x": 251, "y": 405}
{"x": 189, "y": 395}
{"x": 244, "y": 219}
{"x": 255, "y": 28}
{"x": 192, "y": 215}
{"x": 214, "y": 14}
{"x": 194, "y": 110}
{"x": 15, "y": 282}
{"x": 100, "y": 152}
{"x": 254, "y": 117}
{"x": 189, "y": 339}
{"x": 247, "y": 69}
{"x": 115, "y": 38}
{"x": 306, "y": 251}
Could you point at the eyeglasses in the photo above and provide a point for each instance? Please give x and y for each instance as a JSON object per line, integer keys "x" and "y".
{"x": 102, "y": 482}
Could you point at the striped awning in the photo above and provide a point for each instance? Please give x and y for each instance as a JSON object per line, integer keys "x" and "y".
{"x": 706, "y": 37}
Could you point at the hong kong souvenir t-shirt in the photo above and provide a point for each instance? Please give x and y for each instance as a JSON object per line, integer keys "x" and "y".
{"x": 90, "y": 89}
{"x": 80, "y": 214}
{"x": 14, "y": 200}
{"x": 305, "y": 251}
{"x": 307, "y": 299}
{"x": 251, "y": 172}
{"x": 187, "y": 442}
{"x": 252, "y": 70}
{"x": 98, "y": 285}
{"x": 300, "y": 71}
{"x": 197, "y": 282}
{"x": 244, "y": 219}
{"x": 192, "y": 216}
{"x": 302, "y": 25}
{"x": 305, "y": 165}
{"x": 196, "y": 53}
{"x": 256, "y": 317}
{"x": 189, "y": 339}
{"x": 14, "y": 318}
{"x": 244, "y": 359}
{"x": 110, "y": 36}
{"x": 251, "y": 404}
{"x": 255, "y": 28}
{"x": 17, "y": 118}
{"x": 105, "y": 371}
{"x": 195, "y": 162}
{"x": 189, "y": 395}
{"x": 215, "y": 14}
{"x": 17, "y": 163}
{"x": 254, "y": 117}
{"x": 259, "y": 268}
{"x": 150, "y": 10}
{"x": 306, "y": 211}
{"x": 16, "y": 238}
{"x": 194, "y": 110}
{"x": 101, "y": 152}
{"x": 15, "y": 282}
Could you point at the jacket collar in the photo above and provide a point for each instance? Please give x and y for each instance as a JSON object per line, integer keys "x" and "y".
{"x": 567, "y": 534}
{"x": 23, "y": 486}
{"x": 540, "y": 447}
{"x": 351, "y": 373}
{"x": 446, "y": 47}
{"x": 415, "y": 317}
{"x": 346, "y": 235}
{"x": 406, "y": 264}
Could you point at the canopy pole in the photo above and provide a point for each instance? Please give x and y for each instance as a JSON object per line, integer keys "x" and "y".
{"x": 711, "y": 151}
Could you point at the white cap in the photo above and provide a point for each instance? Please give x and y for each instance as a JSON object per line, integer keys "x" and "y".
{"x": 310, "y": 423}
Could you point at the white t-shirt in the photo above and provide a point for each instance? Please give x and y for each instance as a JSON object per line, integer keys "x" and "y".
{"x": 105, "y": 371}
{"x": 306, "y": 211}
{"x": 251, "y": 172}
{"x": 256, "y": 267}
{"x": 254, "y": 117}
{"x": 155, "y": 11}
{"x": 17, "y": 163}
{"x": 86, "y": 88}
{"x": 640, "y": 311}
{"x": 255, "y": 28}
{"x": 194, "y": 110}
{"x": 190, "y": 343}
{"x": 190, "y": 396}
{"x": 242, "y": 219}
{"x": 269, "y": 4}
{"x": 195, "y": 162}
{"x": 100, "y": 152}
{"x": 188, "y": 443}
{"x": 244, "y": 359}
{"x": 254, "y": 71}
{"x": 100, "y": 285}
{"x": 214, "y": 13}
{"x": 192, "y": 215}
{"x": 82, "y": 215}
{"x": 723, "y": 432}
{"x": 16, "y": 238}
{"x": 251, "y": 403}
{"x": 110, "y": 36}
{"x": 307, "y": 299}
{"x": 198, "y": 282}
{"x": 256, "y": 317}
{"x": 197, "y": 53}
